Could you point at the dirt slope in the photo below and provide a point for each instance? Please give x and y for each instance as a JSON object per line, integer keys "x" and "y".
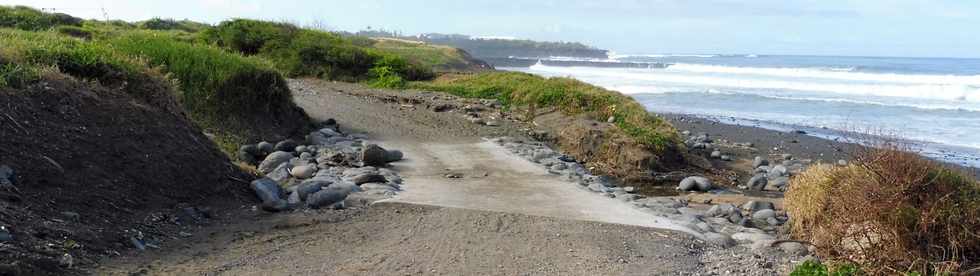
{"x": 91, "y": 164}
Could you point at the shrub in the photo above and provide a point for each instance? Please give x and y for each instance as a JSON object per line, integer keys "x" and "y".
{"x": 160, "y": 24}
{"x": 812, "y": 268}
{"x": 29, "y": 19}
{"x": 915, "y": 215}
{"x": 214, "y": 83}
{"x": 568, "y": 95}
{"x": 73, "y": 31}
{"x": 304, "y": 52}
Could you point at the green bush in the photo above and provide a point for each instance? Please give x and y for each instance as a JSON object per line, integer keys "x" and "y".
{"x": 568, "y": 95}
{"x": 305, "y": 52}
{"x": 812, "y": 268}
{"x": 214, "y": 83}
{"x": 160, "y": 24}
{"x": 74, "y": 31}
{"x": 29, "y": 19}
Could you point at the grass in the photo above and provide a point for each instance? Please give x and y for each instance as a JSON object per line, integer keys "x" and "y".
{"x": 29, "y": 19}
{"x": 916, "y": 215}
{"x": 427, "y": 55}
{"x": 568, "y": 95}
{"x": 305, "y": 52}
{"x": 813, "y": 268}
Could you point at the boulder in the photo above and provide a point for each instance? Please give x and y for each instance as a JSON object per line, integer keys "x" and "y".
{"x": 280, "y": 174}
{"x": 250, "y": 149}
{"x": 394, "y": 155}
{"x": 793, "y": 248}
{"x": 310, "y": 186}
{"x": 368, "y": 178}
{"x": 378, "y": 186}
{"x": 763, "y": 215}
{"x": 274, "y": 160}
{"x": 265, "y": 148}
{"x": 779, "y": 170}
{"x": 374, "y": 155}
{"x": 757, "y": 182}
{"x": 303, "y": 172}
{"x": 599, "y": 188}
{"x": 752, "y": 237}
{"x": 327, "y": 198}
{"x": 270, "y": 193}
{"x": 716, "y": 154}
{"x": 8, "y": 177}
{"x": 721, "y": 210}
{"x": 753, "y": 206}
{"x": 842, "y": 162}
{"x": 779, "y": 183}
{"x": 287, "y": 145}
{"x": 559, "y": 166}
{"x": 695, "y": 183}
{"x": 758, "y": 162}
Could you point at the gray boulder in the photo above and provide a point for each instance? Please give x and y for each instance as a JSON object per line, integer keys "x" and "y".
{"x": 753, "y": 206}
{"x": 303, "y": 172}
{"x": 599, "y": 188}
{"x": 758, "y": 162}
{"x": 251, "y": 149}
{"x": 716, "y": 154}
{"x": 265, "y": 147}
{"x": 287, "y": 145}
{"x": 368, "y": 178}
{"x": 695, "y": 183}
{"x": 757, "y": 182}
{"x": 327, "y": 198}
{"x": 763, "y": 214}
{"x": 280, "y": 174}
{"x": 374, "y": 155}
{"x": 8, "y": 177}
{"x": 274, "y": 160}
{"x": 270, "y": 193}
{"x": 794, "y": 248}
{"x": 721, "y": 210}
{"x": 779, "y": 170}
{"x": 780, "y": 183}
{"x": 310, "y": 186}
{"x": 394, "y": 155}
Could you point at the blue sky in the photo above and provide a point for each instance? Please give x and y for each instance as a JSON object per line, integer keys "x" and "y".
{"x": 930, "y": 28}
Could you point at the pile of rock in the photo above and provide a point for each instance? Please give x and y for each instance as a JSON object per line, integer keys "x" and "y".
{"x": 771, "y": 177}
{"x": 330, "y": 170}
{"x": 754, "y": 224}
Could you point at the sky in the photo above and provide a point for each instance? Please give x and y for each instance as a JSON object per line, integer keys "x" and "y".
{"x": 910, "y": 28}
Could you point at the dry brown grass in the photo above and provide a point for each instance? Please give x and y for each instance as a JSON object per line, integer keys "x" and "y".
{"x": 891, "y": 212}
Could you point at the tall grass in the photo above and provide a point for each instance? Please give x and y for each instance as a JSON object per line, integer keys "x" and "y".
{"x": 914, "y": 214}
{"x": 568, "y": 95}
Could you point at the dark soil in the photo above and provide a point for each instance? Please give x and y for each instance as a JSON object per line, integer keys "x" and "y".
{"x": 122, "y": 165}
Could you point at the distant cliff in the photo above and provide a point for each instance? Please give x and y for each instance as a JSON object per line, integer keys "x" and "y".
{"x": 487, "y": 48}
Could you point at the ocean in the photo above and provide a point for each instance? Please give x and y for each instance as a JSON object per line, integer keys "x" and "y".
{"x": 934, "y": 103}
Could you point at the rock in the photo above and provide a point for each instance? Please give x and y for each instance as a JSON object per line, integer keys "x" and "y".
{"x": 540, "y": 155}
{"x": 273, "y": 161}
{"x": 793, "y": 248}
{"x": 67, "y": 261}
{"x": 280, "y": 174}
{"x": 761, "y": 169}
{"x": 71, "y": 216}
{"x": 722, "y": 240}
{"x": 559, "y": 166}
{"x": 287, "y": 145}
{"x": 247, "y": 158}
{"x": 773, "y": 221}
{"x": 293, "y": 199}
{"x": 368, "y": 178}
{"x": 475, "y": 120}
{"x": 786, "y": 156}
{"x": 329, "y": 198}
{"x": 302, "y": 148}
{"x": 753, "y": 206}
{"x": 344, "y": 186}
{"x": 378, "y": 186}
{"x": 763, "y": 214}
{"x": 309, "y": 187}
{"x": 267, "y": 189}
{"x": 5, "y": 235}
{"x": 250, "y": 149}
{"x": 374, "y": 155}
{"x": 394, "y": 155}
{"x": 306, "y": 156}
{"x": 303, "y": 172}
{"x": 780, "y": 183}
{"x": 265, "y": 148}
{"x": 695, "y": 183}
{"x": 757, "y": 182}
{"x": 735, "y": 217}
{"x": 716, "y": 154}
{"x": 612, "y": 119}
{"x": 686, "y": 132}
{"x": 566, "y": 158}
{"x": 726, "y": 158}
{"x": 629, "y": 189}
{"x": 779, "y": 170}
{"x": 842, "y": 162}
{"x": 599, "y": 188}
{"x": 721, "y": 210}
{"x": 137, "y": 243}
{"x": 758, "y": 162}
{"x": 493, "y": 123}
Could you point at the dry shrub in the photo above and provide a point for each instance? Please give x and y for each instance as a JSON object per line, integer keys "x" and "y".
{"x": 891, "y": 211}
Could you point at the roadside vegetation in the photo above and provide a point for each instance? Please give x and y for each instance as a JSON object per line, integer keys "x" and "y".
{"x": 890, "y": 212}
{"x": 568, "y": 95}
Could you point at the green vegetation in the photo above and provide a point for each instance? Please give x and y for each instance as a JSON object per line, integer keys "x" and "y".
{"x": 441, "y": 58}
{"x": 161, "y": 24}
{"x": 916, "y": 216}
{"x": 812, "y": 268}
{"x": 496, "y": 48}
{"x": 29, "y": 19}
{"x": 568, "y": 95}
{"x": 305, "y": 52}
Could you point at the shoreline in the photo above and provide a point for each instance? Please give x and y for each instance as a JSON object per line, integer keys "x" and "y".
{"x": 825, "y": 145}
